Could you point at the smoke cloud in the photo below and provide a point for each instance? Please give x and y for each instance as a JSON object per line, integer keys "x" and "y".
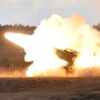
{"x": 71, "y": 33}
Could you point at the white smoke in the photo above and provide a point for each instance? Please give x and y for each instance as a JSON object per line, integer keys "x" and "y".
{"x": 62, "y": 33}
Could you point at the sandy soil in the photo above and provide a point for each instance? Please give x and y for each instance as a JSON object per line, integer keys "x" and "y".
{"x": 50, "y": 88}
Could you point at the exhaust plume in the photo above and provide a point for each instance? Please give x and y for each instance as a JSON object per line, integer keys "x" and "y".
{"x": 66, "y": 34}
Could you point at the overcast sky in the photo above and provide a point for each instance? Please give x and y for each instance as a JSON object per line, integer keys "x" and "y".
{"x": 31, "y": 12}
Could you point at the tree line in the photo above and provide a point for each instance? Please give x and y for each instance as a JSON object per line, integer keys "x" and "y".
{"x": 18, "y": 28}
{"x": 97, "y": 26}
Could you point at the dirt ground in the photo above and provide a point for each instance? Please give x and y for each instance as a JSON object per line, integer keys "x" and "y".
{"x": 50, "y": 88}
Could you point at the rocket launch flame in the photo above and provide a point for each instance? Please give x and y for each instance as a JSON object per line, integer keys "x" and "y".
{"x": 71, "y": 33}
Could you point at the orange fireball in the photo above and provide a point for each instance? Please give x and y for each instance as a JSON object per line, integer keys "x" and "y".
{"x": 61, "y": 33}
